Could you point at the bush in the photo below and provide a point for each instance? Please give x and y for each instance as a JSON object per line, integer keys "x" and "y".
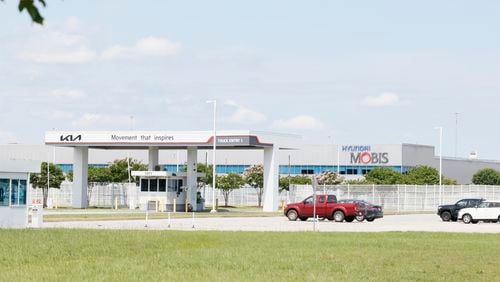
{"x": 486, "y": 176}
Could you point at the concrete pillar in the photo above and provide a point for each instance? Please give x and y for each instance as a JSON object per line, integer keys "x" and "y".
{"x": 152, "y": 158}
{"x": 271, "y": 179}
{"x": 192, "y": 175}
{"x": 80, "y": 177}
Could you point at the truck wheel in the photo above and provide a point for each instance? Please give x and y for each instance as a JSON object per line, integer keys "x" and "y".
{"x": 446, "y": 216}
{"x": 292, "y": 215}
{"x": 370, "y": 219}
{"x": 338, "y": 216}
{"x": 349, "y": 219}
{"x": 303, "y": 218}
{"x": 467, "y": 218}
{"x": 360, "y": 218}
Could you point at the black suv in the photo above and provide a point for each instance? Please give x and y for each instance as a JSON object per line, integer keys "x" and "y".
{"x": 450, "y": 212}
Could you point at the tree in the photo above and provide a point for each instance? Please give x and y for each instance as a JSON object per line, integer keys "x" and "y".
{"x": 422, "y": 175}
{"x": 39, "y": 180}
{"x": 486, "y": 176}
{"x": 227, "y": 183}
{"x": 285, "y": 182}
{"x": 254, "y": 176}
{"x": 119, "y": 169}
{"x": 208, "y": 171}
{"x": 384, "y": 175}
{"x": 95, "y": 175}
{"x": 328, "y": 178}
{"x": 32, "y": 9}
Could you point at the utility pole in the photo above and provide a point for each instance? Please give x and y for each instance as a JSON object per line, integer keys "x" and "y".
{"x": 456, "y": 133}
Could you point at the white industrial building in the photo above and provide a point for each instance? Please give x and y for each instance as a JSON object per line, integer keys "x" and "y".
{"x": 351, "y": 160}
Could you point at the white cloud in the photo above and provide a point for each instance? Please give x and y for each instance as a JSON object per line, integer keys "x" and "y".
{"x": 57, "y": 47}
{"x": 61, "y": 57}
{"x": 243, "y": 114}
{"x": 99, "y": 121}
{"x": 60, "y": 115}
{"x": 298, "y": 122}
{"x": 383, "y": 100}
{"x": 7, "y": 137}
{"x": 67, "y": 93}
{"x": 145, "y": 47}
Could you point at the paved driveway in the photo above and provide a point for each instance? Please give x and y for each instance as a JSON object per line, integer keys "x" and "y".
{"x": 421, "y": 222}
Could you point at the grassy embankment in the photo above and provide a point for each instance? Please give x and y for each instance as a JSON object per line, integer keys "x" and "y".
{"x": 56, "y": 254}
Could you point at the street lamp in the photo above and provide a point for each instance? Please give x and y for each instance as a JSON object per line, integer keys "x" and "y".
{"x": 440, "y": 128}
{"x": 338, "y": 154}
{"x": 215, "y": 154}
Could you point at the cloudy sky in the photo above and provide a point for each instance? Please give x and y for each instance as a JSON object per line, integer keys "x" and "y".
{"x": 362, "y": 72}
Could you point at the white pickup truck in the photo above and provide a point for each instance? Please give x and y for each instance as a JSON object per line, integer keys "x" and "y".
{"x": 485, "y": 211}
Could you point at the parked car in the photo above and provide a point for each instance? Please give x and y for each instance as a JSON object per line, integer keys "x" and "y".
{"x": 372, "y": 211}
{"x": 485, "y": 211}
{"x": 450, "y": 212}
{"x": 326, "y": 207}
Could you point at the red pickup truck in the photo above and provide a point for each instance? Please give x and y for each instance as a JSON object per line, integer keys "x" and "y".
{"x": 326, "y": 207}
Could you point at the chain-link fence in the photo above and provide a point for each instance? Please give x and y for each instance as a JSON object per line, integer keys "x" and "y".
{"x": 400, "y": 197}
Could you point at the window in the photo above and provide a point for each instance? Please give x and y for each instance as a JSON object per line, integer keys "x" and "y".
{"x": 462, "y": 203}
{"x": 321, "y": 199}
{"x": 307, "y": 171}
{"x": 352, "y": 171}
{"x": 4, "y": 192}
{"x": 22, "y": 192}
{"x": 308, "y": 201}
{"x": 153, "y": 185}
{"x": 330, "y": 199}
{"x": 14, "y": 190}
{"x": 144, "y": 185}
{"x": 162, "y": 185}
{"x": 174, "y": 185}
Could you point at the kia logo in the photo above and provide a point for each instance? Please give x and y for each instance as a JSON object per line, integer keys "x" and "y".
{"x": 70, "y": 138}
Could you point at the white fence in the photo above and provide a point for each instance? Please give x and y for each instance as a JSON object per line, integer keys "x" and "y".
{"x": 401, "y": 197}
{"x": 99, "y": 195}
{"x": 391, "y": 197}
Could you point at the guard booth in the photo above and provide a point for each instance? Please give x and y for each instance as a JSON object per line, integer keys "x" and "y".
{"x": 15, "y": 192}
{"x": 165, "y": 191}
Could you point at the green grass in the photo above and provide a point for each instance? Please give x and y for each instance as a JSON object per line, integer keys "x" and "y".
{"x": 63, "y": 254}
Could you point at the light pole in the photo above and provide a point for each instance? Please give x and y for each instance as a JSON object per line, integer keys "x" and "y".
{"x": 338, "y": 154}
{"x": 456, "y": 133}
{"x": 440, "y": 128}
{"x": 215, "y": 154}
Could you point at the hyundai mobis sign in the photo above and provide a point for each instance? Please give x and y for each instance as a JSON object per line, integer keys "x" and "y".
{"x": 364, "y": 155}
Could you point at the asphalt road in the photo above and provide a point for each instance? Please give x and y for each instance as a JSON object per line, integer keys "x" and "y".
{"x": 420, "y": 222}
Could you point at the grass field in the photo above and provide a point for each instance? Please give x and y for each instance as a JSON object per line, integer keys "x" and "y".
{"x": 63, "y": 254}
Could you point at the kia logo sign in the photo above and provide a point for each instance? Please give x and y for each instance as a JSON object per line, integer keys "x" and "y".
{"x": 369, "y": 158}
{"x": 70, "y": 138}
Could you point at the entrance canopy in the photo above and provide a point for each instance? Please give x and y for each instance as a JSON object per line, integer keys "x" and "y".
{"x": 171, "y": 139}
{"x": 153, "y": 141}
